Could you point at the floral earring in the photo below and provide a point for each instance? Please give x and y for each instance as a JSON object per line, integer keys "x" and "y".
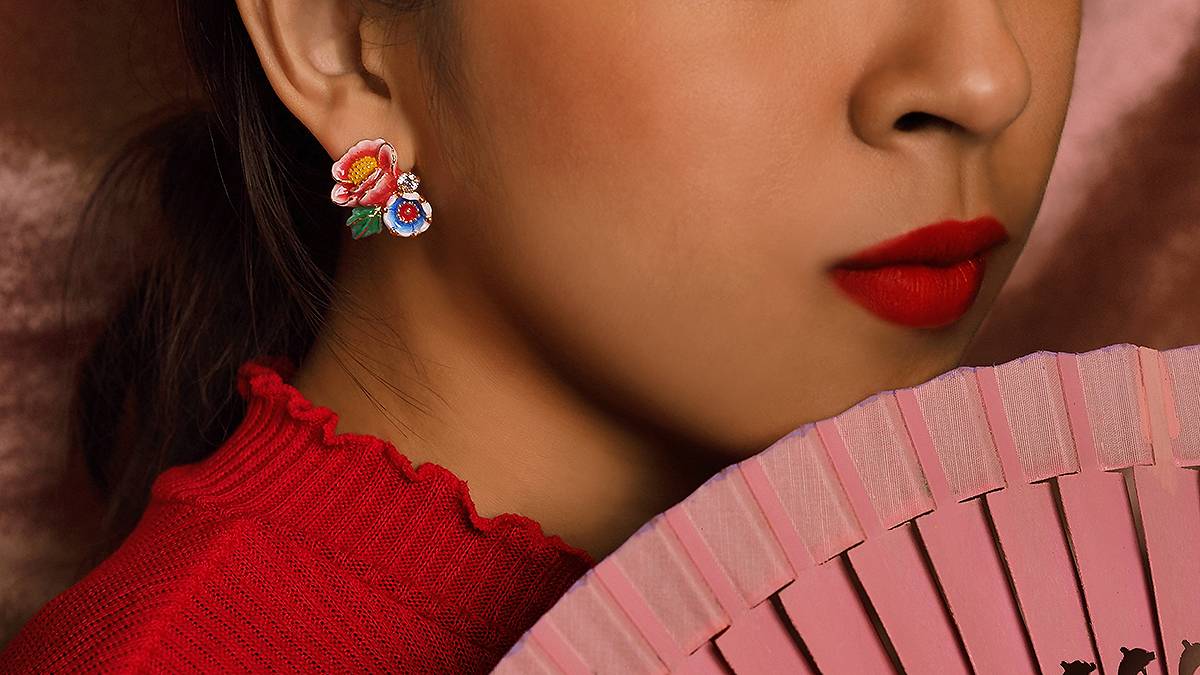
{"x": 367, "y": 180}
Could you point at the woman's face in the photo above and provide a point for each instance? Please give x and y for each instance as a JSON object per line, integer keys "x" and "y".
{"x": 659, "y": 188}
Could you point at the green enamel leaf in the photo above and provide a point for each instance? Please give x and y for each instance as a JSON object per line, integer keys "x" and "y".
{"x": 370, "y": 224}
{"x": 365, "y": 221}
{"x": 359, "y": 214}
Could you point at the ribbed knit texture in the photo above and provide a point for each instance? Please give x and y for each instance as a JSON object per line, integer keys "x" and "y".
{"x": 297, "y": 549}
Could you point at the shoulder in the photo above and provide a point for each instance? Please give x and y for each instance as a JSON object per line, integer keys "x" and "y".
{"x": 197, "y": 590}
{"x": 116, "y": 615}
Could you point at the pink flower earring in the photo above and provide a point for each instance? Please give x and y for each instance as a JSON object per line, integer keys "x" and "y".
{"x": 367, "y": 180}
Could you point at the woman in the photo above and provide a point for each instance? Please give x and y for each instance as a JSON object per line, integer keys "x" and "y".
{"x": 665, "y": 235}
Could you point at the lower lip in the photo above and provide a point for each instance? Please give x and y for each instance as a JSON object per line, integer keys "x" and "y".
{"x": 917, "y": 296}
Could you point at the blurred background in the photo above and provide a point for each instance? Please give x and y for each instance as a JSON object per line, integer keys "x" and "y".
{"x": 1115, "y": 256}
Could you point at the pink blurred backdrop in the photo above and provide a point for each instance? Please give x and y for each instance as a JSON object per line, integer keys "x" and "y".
{"x": 1115, "y": 256}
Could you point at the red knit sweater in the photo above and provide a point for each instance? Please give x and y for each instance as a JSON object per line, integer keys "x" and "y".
{"x": 292, "y": 548}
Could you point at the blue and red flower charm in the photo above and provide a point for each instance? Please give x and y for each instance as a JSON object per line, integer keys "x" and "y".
{"x": 368, "y": 182}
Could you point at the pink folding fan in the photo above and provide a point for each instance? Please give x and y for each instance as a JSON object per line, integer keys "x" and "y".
{"x": 1039, "y": 516}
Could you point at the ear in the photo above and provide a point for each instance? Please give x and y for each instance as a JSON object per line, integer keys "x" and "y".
{"x": 327, "y": 62}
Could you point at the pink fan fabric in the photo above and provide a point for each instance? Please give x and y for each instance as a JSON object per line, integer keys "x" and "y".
{"x": 1041, "y": 573}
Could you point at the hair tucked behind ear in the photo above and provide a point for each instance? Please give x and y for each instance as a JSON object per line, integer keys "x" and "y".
{"x": 241, "y": 266}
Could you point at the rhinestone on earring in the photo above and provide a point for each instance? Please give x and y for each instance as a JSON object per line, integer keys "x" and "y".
{"x": 368, "y": 182}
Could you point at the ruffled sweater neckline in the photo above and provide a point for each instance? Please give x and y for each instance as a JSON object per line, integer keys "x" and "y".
{"x": 266, "y": 379}
{"x": 356, "y": 498}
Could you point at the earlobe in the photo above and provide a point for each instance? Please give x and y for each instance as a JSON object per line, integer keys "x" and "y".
{"x": 313, "y": 56}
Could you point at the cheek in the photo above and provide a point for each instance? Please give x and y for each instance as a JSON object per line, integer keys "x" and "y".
{"x": 629, "y": 223}
{"x": 618, "y": 107}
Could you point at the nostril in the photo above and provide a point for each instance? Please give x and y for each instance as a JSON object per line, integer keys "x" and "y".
{"x": 914, "y": 121}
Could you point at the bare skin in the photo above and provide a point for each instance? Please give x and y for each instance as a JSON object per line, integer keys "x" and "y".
{"x": 636, "y": 202}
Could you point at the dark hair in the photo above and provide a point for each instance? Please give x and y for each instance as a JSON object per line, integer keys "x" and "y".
{"x": 241, "y": 264}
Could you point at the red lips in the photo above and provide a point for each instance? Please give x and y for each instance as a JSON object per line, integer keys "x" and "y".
{"x": 925, "y": 278}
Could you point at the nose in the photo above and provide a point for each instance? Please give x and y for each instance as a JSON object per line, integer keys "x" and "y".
{"x": 948, "y": 66}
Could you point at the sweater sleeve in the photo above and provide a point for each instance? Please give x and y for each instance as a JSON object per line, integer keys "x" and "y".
{"x": 192, "y": 591}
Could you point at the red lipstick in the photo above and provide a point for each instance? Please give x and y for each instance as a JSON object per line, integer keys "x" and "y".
{"x": 925, "y": 278}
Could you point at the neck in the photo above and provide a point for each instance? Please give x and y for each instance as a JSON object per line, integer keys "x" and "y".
{"x": 440, "y": 371}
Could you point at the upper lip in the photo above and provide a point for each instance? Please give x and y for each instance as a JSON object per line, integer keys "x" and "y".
{"x": 944, "y": 243}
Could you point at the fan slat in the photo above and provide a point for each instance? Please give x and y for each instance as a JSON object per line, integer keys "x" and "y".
{"x": 892, "y": 570}
{"x": 1170, "y": 505}
{"x": 824, "y": 607}
{"x": 1026, "y": 521}
{"x": 760, "y": 643}
{"x": 972, "y": 576}
{"x": 1101, "y": 528}
{"x": 1035, "y": 548}
{"x": 1104, "y": 538}
{"x": 1169, "y": 499}
{"x": 969, "y": 569}
{"x": 893, "y": 573}
{"x": 822, "y": 603}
